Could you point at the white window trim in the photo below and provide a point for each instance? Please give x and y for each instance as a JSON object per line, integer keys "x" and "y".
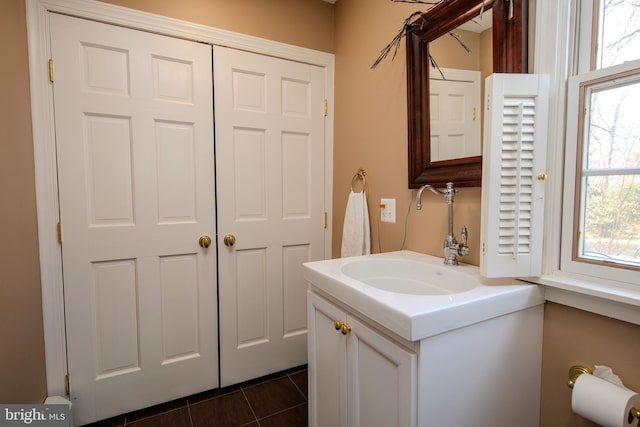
{"x": 554, "y": 53}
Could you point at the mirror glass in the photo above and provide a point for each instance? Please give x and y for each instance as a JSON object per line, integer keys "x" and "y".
{"x": 456, "y": 89}
{"x": 508, "y": 54}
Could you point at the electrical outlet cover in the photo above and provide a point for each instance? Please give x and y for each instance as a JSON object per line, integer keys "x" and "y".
{"x": 388, "y": 212}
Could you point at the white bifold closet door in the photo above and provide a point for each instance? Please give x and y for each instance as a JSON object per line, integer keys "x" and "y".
{"x": 135, "y": 162}
{"x": 270, "y": 177}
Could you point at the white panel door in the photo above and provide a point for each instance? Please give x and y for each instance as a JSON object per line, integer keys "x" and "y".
{"x": 455, "y": 114}
{"x": 134, "y": 137}
{"x": 270, "y": 152}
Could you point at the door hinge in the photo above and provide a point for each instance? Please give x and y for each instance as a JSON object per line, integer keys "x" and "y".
{"x": 67, "y": 385}
{"x": 59, "y": 229}
{"x": 51, "y": 70}
{"x": 325, "y": 108}
{"x": 324, "y": 220}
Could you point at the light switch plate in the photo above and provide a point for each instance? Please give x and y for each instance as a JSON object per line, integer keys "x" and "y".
{"x": 388, "y": 210}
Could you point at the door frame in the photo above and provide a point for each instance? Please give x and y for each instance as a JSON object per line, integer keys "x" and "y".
{"x": 43, "y": 126}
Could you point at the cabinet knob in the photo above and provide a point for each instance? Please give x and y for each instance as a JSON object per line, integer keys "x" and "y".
{"x": 342, "y": 327}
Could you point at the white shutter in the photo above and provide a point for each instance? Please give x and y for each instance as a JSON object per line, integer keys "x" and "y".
{"x": 513, "y": 174}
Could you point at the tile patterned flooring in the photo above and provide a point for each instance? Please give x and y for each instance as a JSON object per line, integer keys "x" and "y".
{"x": 277, "y": 400}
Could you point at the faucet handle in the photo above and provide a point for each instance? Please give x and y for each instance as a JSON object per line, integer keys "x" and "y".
{"x": 463, "y": 249}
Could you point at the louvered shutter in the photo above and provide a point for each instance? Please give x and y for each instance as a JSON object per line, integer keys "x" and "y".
{"x": 513, "y": 175}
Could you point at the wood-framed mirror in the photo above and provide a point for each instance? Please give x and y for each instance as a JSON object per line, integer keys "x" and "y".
{"x": 510, "y": 53}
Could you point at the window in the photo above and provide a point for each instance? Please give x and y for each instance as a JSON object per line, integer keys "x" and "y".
{"x": 601, "y": 217}
{"x": 617, "y": 25}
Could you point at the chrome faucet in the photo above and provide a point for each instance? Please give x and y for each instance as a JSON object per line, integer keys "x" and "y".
{"x": 452, "y": 249}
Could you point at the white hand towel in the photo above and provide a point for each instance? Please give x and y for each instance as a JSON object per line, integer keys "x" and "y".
{"x": 356, "y": 235}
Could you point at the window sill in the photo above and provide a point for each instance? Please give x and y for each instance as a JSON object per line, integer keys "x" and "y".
{"x": 610, "y": 299}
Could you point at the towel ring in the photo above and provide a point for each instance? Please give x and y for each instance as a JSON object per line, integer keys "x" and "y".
{"x": 359, "y": 176}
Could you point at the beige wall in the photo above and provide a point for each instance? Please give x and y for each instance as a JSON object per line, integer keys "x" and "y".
{"x": 448, "y": 53}
{"x": 307, "y": 23}
{"x": 22, "y": 371}
{"x": 370, "y": 132}
{"x": 575, "y": 337}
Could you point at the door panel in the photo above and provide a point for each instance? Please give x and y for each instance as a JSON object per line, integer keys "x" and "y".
{"x": 455, "y": 114}
{"x": 116, "y": 330}
{"x": 395, "y": 372}
{"x": 270, "y": 186}
{"x": 134, "y": 141}
{"x": 251, "y": 298}
{"x": 294, "y": 313}
{"x": 179, "y": 294}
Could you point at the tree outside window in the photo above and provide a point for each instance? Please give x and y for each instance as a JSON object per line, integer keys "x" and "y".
{"x": 609, "y": 223}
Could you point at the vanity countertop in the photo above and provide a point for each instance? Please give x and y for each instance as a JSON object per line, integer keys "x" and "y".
{"x": 414, "y": 316}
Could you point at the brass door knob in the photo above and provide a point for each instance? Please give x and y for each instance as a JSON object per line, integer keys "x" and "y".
{"x": 229, "y": 240}
{"x": 204, "y": 241}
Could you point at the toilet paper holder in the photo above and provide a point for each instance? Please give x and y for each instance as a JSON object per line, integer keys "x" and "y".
{"x": 577, "y": 370}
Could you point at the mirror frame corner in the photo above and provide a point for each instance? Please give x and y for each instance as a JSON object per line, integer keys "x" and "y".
{"x": 510, "y": 55}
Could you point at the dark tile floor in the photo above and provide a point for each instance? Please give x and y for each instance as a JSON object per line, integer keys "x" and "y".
{"x": 277, "y": 400}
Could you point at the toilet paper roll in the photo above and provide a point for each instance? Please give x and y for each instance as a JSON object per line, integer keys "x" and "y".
{"x": 603, "y": 402}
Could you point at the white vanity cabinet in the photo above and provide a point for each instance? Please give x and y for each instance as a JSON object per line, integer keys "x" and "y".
{"x": 357, "y": 376}
{"x": 425, "y": 344}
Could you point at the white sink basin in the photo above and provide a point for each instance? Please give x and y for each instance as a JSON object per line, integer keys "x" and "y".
{"x": 409, "y": 277}
{"x": 415, "y": 295}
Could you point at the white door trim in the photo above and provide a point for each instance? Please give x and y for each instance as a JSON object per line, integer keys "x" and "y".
{"x": 43, "y": 137}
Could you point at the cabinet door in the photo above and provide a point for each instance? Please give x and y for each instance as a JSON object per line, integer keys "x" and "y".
{"x": 327, "y": 365}
{"x": 382, "y": 380}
